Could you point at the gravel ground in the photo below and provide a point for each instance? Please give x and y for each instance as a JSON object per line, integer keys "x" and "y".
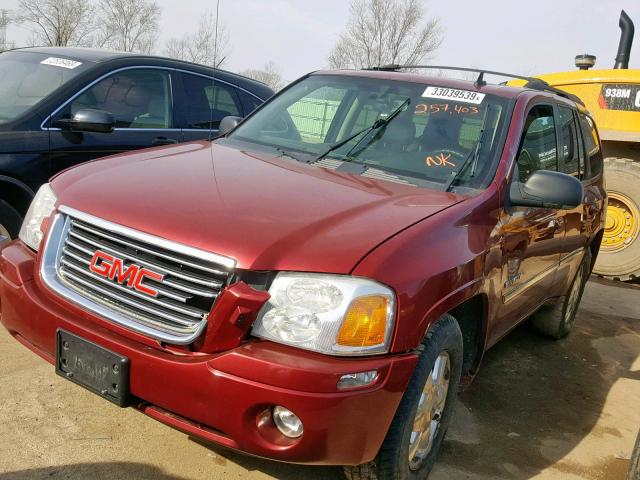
{"x": 538, "y": 409}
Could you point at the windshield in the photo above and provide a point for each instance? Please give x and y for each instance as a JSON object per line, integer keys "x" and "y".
{"x": 26, "y": 78}
{"x": 432, "y": 141}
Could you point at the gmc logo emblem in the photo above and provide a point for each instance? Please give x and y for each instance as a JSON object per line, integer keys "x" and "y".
{"x": 131, "y": 276}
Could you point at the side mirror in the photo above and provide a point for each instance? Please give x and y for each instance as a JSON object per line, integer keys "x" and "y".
{"x": 228, "y": 123}
{"x": 547, "y": 189}
{"x": 91, "y": 120}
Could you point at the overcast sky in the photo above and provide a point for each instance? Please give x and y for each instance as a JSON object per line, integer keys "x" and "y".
{"x": 524, "y": 37}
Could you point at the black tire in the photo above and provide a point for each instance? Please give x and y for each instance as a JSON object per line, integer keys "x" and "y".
{"x": 10, "y": 220}
{"x": 392, "y": 461}
{"x": 623, "y": 183}
{"x": 557, "y": 321}
{"x": 634, "y": 464}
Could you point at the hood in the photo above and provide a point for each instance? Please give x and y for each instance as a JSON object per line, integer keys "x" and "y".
{"x": 269, "y": 213}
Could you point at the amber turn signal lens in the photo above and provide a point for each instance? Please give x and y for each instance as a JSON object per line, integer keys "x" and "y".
{"x": 365, "y": 323}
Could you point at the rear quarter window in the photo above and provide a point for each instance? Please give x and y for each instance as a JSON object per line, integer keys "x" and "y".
{"x": 592, "y": 146}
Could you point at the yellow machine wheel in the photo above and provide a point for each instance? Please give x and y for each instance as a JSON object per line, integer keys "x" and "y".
{"x": 623, "y": 219}
{"x": 619, "y": 255}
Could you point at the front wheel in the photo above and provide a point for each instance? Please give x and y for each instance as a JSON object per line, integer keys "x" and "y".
{"x": 411, "y": 446}
{"x": 10, "y": 221}
{"x": 634, "y": 465}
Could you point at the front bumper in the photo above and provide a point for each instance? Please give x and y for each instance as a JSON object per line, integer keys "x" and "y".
{"x": 224, "y": 397}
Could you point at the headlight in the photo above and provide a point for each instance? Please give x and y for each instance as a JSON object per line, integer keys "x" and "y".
{"x": 40, "y": 208}
{"x": 333, "y": 314}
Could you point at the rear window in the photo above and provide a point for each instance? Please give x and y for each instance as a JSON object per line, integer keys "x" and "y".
{"x": 27, "y": 78}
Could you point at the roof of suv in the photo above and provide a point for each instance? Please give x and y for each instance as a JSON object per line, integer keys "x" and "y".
{"x": 95, "y": 55}
{"x": 501, "y": 90}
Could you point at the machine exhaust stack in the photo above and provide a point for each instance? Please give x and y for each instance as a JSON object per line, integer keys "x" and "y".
{"x": 626, "y": 40}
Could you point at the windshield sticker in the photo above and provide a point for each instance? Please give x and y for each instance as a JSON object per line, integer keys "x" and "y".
{"x": 61, "y": 62}
{"x": 425, "y": 109}
{"x": 454, "y": 94}
{"x": 440, "y": 160}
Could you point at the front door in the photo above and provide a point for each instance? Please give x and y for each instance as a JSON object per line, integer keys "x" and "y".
{"x": 140, "y": 99}
{"x": 531, "y": 237}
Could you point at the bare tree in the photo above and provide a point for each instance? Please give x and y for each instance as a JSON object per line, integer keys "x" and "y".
{"x": 58, "y": 23}
{"x": 269, "y": 75}
{"x": 382, "y": 32}
{"x": 202, "y": 46}
{"x": 5, "y": 20}
{"x": 128, "y": 25}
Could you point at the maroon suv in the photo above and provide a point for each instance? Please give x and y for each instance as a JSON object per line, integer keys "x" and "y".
{"x": 314, "y": 285}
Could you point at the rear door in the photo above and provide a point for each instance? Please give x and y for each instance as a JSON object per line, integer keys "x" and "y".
{"x": 141, "y": 101}
{"x": 203, "y": 103}
{"x": 580, "y": 157}
{"x": 531, "y": 237}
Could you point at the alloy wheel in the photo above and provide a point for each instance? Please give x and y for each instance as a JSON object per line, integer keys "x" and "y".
{"x": 4, "y": 233}
{"x": 574, "y": 295}
{"x": 428, "y": 417}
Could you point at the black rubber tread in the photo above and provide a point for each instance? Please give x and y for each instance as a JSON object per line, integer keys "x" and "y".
{"x": 392, "y": 462}
{"x": 621, "y": 175}
{"x": 549, "y": 320}
{"x": 10, "y": 218}
{"x": 634, "y": 464}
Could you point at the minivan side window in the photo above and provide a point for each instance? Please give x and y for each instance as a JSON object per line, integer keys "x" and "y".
{"x": 205, "y": 104}
{"x": 538, "y": 150}
{"x": 139, "y": 98}
{"x": 591, "y": 146}
{"x": 569, "y": 153}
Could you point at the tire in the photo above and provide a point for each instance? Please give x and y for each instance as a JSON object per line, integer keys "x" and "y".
{"x": 557, "y": 321}
{"x": 443, "y": 341}
{"x": 619, "y": 256}
{"x": 634, "y": 464}
{"x": 10, "y": 221}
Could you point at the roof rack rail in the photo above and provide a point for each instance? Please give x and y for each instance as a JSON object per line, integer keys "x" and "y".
{"x": 532, "y": 82}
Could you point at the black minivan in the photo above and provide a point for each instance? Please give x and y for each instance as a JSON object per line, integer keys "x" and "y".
{"x": 63, "y": 106}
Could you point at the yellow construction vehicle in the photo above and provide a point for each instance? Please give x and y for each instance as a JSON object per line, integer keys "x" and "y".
{"x": 613, "y": 98}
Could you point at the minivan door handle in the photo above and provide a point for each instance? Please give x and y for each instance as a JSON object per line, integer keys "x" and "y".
{"x": 163, "y": 141}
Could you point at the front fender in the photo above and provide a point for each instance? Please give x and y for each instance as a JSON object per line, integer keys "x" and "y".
{"x": 438, "y": 264}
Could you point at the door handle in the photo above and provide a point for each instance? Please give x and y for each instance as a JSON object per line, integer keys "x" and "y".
{"x": 163, "y": 141}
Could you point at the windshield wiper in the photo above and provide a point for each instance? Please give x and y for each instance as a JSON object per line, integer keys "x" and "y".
{"x": 472, "y": 158}
{"x": 379, "y": 123}
{"x": 287, "y": 153}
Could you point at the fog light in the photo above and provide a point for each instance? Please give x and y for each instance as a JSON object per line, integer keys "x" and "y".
{"x": 352, "y": 380}
{"x": 287, "y": 422}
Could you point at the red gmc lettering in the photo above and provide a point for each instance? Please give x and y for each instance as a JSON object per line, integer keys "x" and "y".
{"x": 132, "y": 276}
{"x": 142, "y": 274}
{"x": 121, "y": 275}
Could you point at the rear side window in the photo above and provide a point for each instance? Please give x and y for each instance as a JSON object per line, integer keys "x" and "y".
{"x": 569, "y": 153}
{"x": 206, "y": 104}
{"x": 538, "y": 149}
{"x": 591, "y": 146}
{"x": 249, "y": 102}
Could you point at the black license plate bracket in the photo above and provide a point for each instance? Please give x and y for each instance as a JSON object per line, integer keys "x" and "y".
{"x": 93, "y": 367}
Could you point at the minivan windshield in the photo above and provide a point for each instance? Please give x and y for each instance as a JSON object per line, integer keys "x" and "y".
{"x": 28, "y": 77}
{"x": 426, "y": 135}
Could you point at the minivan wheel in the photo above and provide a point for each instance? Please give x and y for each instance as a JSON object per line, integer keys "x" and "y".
{"x": 416, "y": 433}
{"x": 557, "y": 321}
{"x": 10, "y": 221}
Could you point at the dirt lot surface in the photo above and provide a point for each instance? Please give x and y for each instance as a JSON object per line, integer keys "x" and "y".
{"x": 538, "y": 409}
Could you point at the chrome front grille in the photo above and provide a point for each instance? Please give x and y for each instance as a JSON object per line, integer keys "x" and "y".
{"x": 171, "y": 303}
